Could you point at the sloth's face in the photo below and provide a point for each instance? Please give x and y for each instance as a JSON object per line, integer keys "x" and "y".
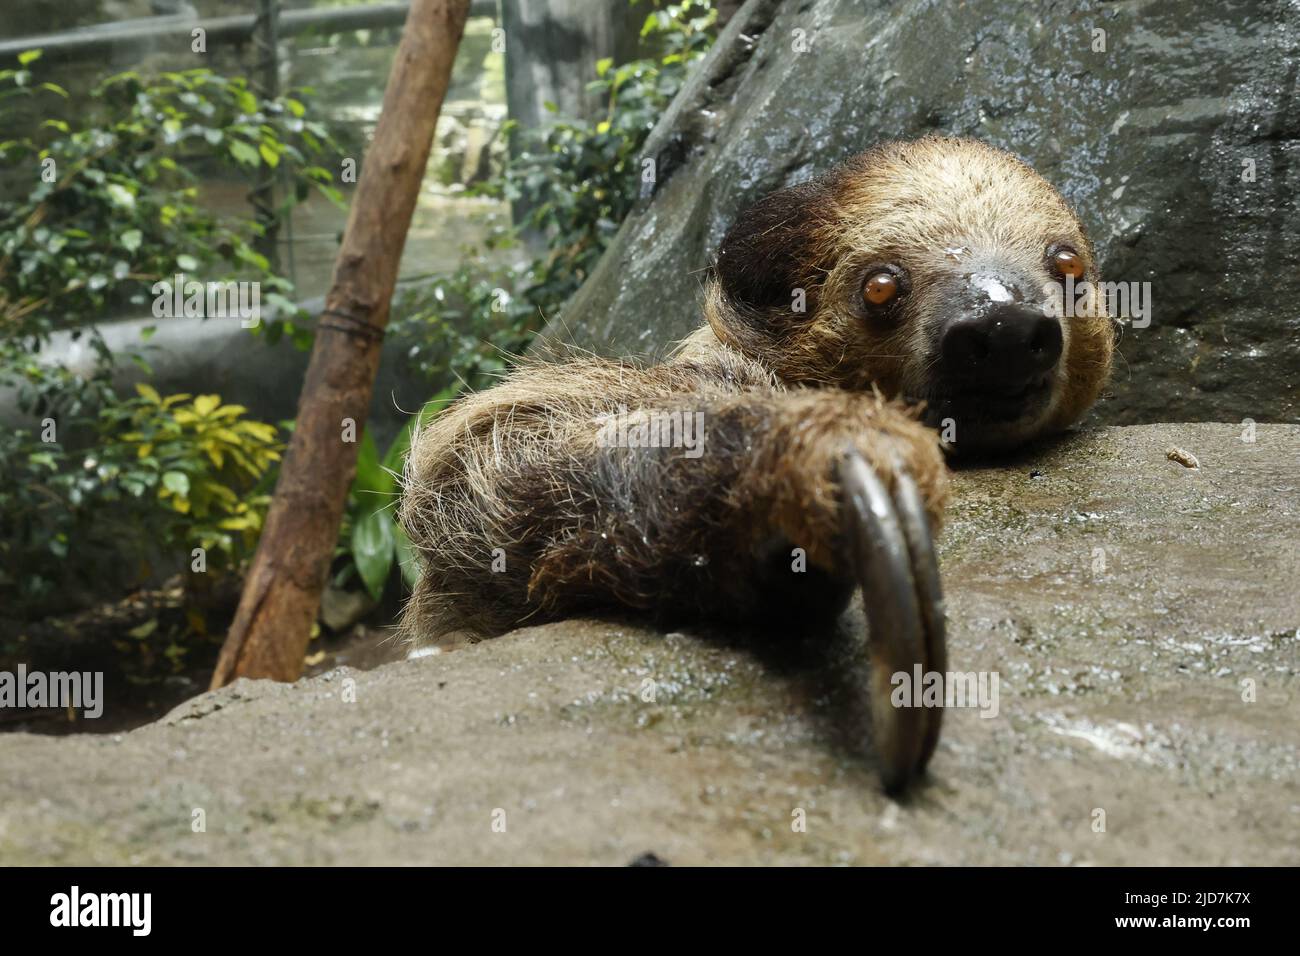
{"x": 980, "y": 340}
{"x": 961, "y": 259}
{"x": 932, "y": 277}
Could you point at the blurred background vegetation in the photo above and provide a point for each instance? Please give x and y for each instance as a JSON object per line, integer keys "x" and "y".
{"x": 129, "y": 507}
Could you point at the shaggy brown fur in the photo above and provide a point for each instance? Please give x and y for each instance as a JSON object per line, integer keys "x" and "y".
{"x": 520, "y": 512}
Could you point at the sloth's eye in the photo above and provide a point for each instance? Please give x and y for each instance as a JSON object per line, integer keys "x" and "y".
{"x": 880, "y": 288}
{"x": 1067, "y": 262}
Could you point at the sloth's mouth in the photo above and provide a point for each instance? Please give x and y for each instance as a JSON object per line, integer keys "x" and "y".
{"x": 970, "y": 403}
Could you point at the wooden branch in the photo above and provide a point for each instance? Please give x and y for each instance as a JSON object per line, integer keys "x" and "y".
{"x": 281, "y": 596}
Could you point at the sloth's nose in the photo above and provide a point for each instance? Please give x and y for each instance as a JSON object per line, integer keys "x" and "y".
{"x": 1005, "y": 345}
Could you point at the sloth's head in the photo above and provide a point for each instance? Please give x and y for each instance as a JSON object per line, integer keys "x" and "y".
{"x": 923, "y": 268}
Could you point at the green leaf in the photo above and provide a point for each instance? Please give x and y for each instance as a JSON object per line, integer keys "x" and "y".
{"x": 252, "y": 257}
{"x": 270, "y": 155}
{"x": 373, "y": 548}
{"x": 28, "y": 56}
{"x": 120, "y": 195}
{"x": 371, "y": 482}
{"x": 177, "y": 482}
{"x": 144, "y": 630}
{"x": 333, "y": 195}
{"x": 131, "y": 239}
{"x": 245, "y": 154}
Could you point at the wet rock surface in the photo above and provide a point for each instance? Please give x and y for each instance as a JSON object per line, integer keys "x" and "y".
{"x": 1121, "y": 598}
{"x": 1176, "y": 143}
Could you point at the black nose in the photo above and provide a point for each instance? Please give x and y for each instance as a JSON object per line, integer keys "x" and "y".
{"x": 1005, "y": 344}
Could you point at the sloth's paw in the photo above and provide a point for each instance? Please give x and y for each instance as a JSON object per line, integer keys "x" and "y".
{"x": 800, "y": 470}
{"x": 860, "y": 485}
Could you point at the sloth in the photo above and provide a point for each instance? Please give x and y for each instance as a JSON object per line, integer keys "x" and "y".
{"x": 890, "y": 311}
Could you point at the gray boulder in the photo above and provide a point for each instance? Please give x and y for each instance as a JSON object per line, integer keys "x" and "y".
{"x": 1155, "y": 139}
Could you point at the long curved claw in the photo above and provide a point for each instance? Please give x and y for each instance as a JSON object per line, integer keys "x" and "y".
{"x": 894, "y": 561}
{"x": 929, "y": 592}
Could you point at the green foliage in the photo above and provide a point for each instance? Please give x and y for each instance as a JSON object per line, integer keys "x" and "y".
{"x": 461, "y": 328}
{"x": 372, "y": 542}
{"x": 578, "y": 180}
{"x": 202, "y": 460}
{"x": 97, "y": 210}
{"x": 123, "y": 211}
{"x": 113, "y": 206}
{"x": 162, "y": 476}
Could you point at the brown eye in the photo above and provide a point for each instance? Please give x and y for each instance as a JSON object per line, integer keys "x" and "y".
{"x": 880, "y": 288}
{"x": 1067, "y": 262}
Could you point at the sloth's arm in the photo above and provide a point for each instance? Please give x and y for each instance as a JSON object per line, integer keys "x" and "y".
{"x": 521, "y": 513}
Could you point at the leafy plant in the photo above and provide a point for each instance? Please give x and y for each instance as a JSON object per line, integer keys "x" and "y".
{"x": 163, "y": 476}
{"x": 372, "y": 543}
{"x": 578, "y": 179}
{"x": 113, "y": 206}
{"x": 462, "y": 326}
{"x": 97, "y": 209}
{"x": 202, "y": 459}
{"x": 124, "y": 211}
